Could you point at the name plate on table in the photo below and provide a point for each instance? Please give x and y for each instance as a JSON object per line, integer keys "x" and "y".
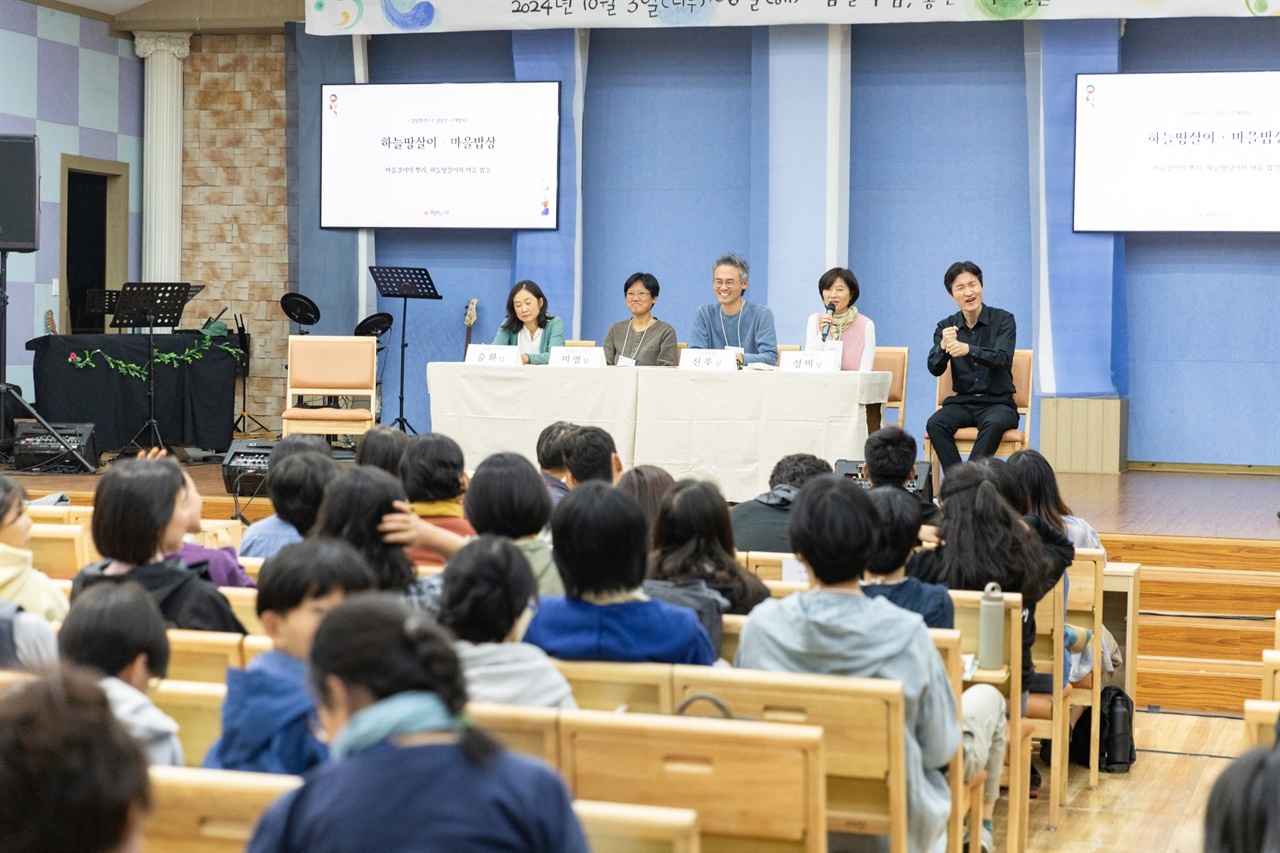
{"x": 819, "y": 361}
{"x": 491, "y": 356}
{"x": 577, "y": 357}
{"x": 707, "y": 359}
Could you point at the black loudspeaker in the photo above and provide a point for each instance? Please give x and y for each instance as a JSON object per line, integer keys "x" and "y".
{"x": 19, "y": 193}
{"x": 33, "y": 446}
{"x": 921, "y": 481}
{"x": 244, "y": 467}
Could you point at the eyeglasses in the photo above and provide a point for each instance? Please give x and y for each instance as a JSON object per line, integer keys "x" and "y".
{"x": 726, "y": 282}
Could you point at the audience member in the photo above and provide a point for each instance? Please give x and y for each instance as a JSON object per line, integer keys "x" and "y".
{"x": 890, "y": 460}
{"x": 552, "y": 442}
{"x": 435, "y": 479}
{"x": 506, "y": 498}
{"x": 835, "y": 629}
{"x": 296, "y": 487}
{"x": 268, "y": 717}
{"x": 1242, "y": 815}
{"x": 20, "y": 582}
{"x": 221, "y": 563}
{"x": 72, "y": 780}
{"x": 406, "y": 764}
{"x": 760, "y": 524}
{"x": 117, "y": 630}
{"x": 139, "y": 515}
{"x": 489, "y": 596}
{"x": 590, "y": 454}
{"x": 382, "y": 447}
{"x": 600, "y": 547}
{"x": 648, "y": 484}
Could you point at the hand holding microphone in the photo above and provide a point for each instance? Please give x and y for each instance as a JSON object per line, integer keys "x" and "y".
{"x": 826, "y": 322}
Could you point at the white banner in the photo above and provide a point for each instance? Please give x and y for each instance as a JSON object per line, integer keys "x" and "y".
{"x": 345, "y": 17}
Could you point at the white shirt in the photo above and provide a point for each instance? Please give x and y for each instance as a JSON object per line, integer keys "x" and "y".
{"x": 529, "y": 344}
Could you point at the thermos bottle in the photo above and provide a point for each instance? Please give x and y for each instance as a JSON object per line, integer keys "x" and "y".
{"x": 991, "y": 628}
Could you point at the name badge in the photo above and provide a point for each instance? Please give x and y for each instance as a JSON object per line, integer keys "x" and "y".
{"x": 736, "y": 350}
{"x": 707, "y": 359}
{"x": 626, "y": 361}
{"x": 493, "y": 356}
{"x": 577, "y": 357}
{"x": 836, "y": 347}
{"x": 823, "y": 361}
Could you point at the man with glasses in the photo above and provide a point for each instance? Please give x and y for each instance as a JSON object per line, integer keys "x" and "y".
{"x": 742, "y": 327}
{"x": 978, "y": 342}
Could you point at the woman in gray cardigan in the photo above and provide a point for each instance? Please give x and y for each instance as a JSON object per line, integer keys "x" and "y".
{"x": 644, "y": 340}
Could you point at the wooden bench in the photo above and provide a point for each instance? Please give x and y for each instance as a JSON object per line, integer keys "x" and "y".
{"x": 531, "y": 731}
{"x": 732, "y": 632}
{"x": 965, "y": 798}
{"x": 1055, "y": 723}
{"x": 196, "y": 706}
{"x": 203, "y": 655}
{"x": 244, "y": 603}
{"x": 767, "y": 565}
{"x": 1260, "y": 722}
{"x": 252, "y": 566}
{"x": 629, "y": 828}
{"x": 209, "y": 811}
{"x": 61, "y": 550}
{"x": 607, "y": 686}
{"x": 1271, "y": 674}
{"x": 1084, "y": 610}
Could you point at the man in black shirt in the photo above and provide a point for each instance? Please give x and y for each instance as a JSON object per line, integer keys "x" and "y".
{"x": 978, "y": 342}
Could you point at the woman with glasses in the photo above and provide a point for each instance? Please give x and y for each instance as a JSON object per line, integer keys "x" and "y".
{"x": 644, "y": 340}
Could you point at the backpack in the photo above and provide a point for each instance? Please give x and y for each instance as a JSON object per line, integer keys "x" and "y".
{"x": 1116, "y": 750}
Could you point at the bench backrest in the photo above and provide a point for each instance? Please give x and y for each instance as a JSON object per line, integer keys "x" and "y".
{"x": 209, "y": 811}
{"x": 609, "y": 686}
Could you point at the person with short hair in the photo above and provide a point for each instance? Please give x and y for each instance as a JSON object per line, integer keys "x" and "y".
{"x": 139, "y": 515}
{"x": 488, "y": 599}
{"x": 600, "y": 535}
{"x": 408, "y": 768}
{"x": 528, "y": 326}
{"x": 1241, "y": 815}
{"x": 382, "y": 447}
{"x": 552, "y": 442}
{"x": 221, "y": 563}
{"x": 506, "y": 498}
{"x": 760, "y": 524}
{"x": 269, "y": 715}
{"x": 20, "y": 581}
{"x": 295, "y": 484}
{"x": 889, "y": 459}
{"x": 434, "y": 474}
{"x": 731, "y": 322}
{"x": 73, "y": 779}
{"x": 643, "y": 340}
{"x": 834, "y": 629}
{"x": 117, "y": 631}
{"x": 839, "y": 290}
{"x": 590, "y": 454}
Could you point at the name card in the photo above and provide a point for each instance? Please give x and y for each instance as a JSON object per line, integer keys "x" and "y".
{"x": 707, "y": 359}
{"x": 577, "y": 357}
{"x": 492, "y": 356}
{"x": 820, "y": 361}
{"x": 793, "y": 571}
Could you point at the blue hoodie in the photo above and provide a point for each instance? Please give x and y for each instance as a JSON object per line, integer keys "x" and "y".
{"x": 266, "y": 719}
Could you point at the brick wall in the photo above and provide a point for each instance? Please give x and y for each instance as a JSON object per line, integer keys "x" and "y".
{"x": 234, "y": 224}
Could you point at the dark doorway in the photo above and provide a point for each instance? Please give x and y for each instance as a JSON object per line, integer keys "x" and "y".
{"x": 86, "y": 248}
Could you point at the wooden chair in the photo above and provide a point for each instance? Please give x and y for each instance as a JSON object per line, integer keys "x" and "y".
{"x": 785, "y": 348}
{"x": 1260, "y": 722}
{"x": 1084, "y": 609}
{"x": 628, "y": 828}
{"x": 579, "y": 343}
{"x": 754, "y": 785}
{"x": 531, "y": 731}
{"x": 252, "y": 566}
{"x": 330, "y": 366}
{"x": 866, "y": 773}
{"x": 244, "y": 603}
{"x": 1050, "y": 657}
{"x": 894, "y": 360}
{"x": 1014, "y": 439}
{"x": 1271, "y": 675}
{"x": 643, "y": 688}
{"x": 209, "y": 811}
{"x": 203, "y": 655}
{"x": 767, "y": 565}
{"x": 61, "y": 550}
{"x": 197, "y": 708}
{"x": 732, "y": 632}
{"x": 965, "y": 798}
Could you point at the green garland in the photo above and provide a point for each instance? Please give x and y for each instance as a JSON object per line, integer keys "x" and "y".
{"x": 193, "y": 353}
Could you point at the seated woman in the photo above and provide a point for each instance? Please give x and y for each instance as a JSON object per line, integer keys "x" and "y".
{"x": 529, "y": 326}
{"x": 435, "y": 479}
{"x": 488, "y": 599}
{"x": 408, "y": 770}
{"x": 20, "y": 582}
{"x": 643, "y": 340}
{"x": 648, "y": 484}
{"x": 842, "y": 322}
{"x": 382, "y": 447}
{"x": 599, "y": 534}
{"x": 139, "y": 515}
{"x": 507, "y": 498}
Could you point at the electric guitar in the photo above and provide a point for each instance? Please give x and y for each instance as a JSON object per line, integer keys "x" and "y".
{"x": 469, "y": 319}
{"x": 50, "y": 324}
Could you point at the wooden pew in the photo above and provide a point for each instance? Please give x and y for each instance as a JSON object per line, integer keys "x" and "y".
{"x": 628, "y": 828}
{"x": 41, "y": 514}
{"x": 196, "y": 706}
{"x": 209, "y": 811}
{"x": 1050, "y": 657}
{"x": 866, "y": 777}
{"x": 1271, "y": 674}
{"x": 755, "y": 786}
{"x": 219, "y": 533}
{"x": 254, "y": 645}
{"x": 1084, "y": 610}
{"x": 767, "y": 565}
{"x": 244, "y": 603}
{"x": 1260, "y": 722}
{"x": 531, "y": 731}
{"x": 61, "y": 550}
{"x": 964, "y": 798}
{"x": 607, "y": 686}
{"x": 252, "y": 566}
{"x": 781, "y": 589}
{"x": 732, "y": 631}
{"x": 203, "y": 655}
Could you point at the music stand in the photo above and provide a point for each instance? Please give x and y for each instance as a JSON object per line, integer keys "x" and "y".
{"x": 101, "y": 301}
{"x": 150, "y": 304}
{"x": 404, "y": 283}
{"x": 241, "y": 424}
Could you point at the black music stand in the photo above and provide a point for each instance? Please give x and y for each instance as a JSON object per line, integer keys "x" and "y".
{"x": 150, "y": 304}
{"x": 241, "y": 424}
{"x": 404, "y": 283}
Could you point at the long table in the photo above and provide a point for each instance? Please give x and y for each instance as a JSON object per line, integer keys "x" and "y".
{"x": 726, "y": 427}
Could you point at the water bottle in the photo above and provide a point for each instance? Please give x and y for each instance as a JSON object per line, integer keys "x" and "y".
{"x": 991, "y": 628}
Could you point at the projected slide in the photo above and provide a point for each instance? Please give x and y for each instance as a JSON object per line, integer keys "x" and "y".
{"x": 440, "y": 155}
{"x": 1178, "y": 152}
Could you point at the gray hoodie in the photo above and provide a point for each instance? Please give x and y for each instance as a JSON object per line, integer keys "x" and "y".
{"x": 836, "y": 634}
{"x": 155, "y": 730}
{"x": 512, "y": 674}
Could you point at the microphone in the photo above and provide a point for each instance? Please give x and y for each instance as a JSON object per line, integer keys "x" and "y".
{"x": 831, "y": 312}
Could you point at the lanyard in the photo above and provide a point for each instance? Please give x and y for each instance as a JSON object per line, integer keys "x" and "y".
{"x": 639, "y": 343}
{"x": 725, "y": 332}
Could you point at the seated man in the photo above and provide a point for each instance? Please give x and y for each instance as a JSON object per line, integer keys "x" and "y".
{"x": 760, "y": 524}
{"x": 890, "y": 460}
{"x": 734, "y": 324}
{"x": 978, "y": 342}
{"x": 834, "y": 629}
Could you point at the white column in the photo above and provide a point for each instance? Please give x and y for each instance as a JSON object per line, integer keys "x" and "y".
{"x": 162, "y": 153}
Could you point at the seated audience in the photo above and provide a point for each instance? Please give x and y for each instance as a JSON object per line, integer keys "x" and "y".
{"x": 117, "y": 631}
{"x": 528, "y": 326}
{"x": 408, "y": 770}
{"x": 139, "y": 515}
{"x": 73, "y": 780}
{"x": 648, "y": 484}
{"x": 489, "y": 596}
{"x": 435, "y": 478}
{"x": 1242, "y": 815}
{"x": 834, "y": 629}
{"x": 221, "y": 563}
{"x": 760, "y": 524}
{"x": 590, "y": 454}
{"x": 26, "y": 639}
{"x": 269, "y": 716}
{"x": 382, "y": 447}
{"x": 642, "y": 339}
{"x": 552, "y": 442}
{"x": 20, "y": 582}
{"x": 506, "y": 498}
{"x": 890, "y": 460}
{"x": 600, "y": 547}
{"x": 295, "y": 493}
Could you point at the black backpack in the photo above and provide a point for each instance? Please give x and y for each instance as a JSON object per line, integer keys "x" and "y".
{"x": 1116, "y": 751}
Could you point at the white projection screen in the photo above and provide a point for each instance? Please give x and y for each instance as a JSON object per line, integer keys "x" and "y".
{"x": 1178, "y": 152}
{"x": 440, "y": 155}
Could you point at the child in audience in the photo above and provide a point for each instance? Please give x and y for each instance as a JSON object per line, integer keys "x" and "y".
{"x": 117, "y": 630}
{"x": 600, "y": 547}
{"x": 268, "y": 714}
{"x": 223, "y": 567}
{"x": 73, "y": 779}
{"x": 648, "y": 484}
{"x": 20, "y": 582}
{"x": 507, "y": 497}
{"x": 1243, "y": 815}
{"x": 489, "y": 596}
{"x": 435, "y": 480}
{"x": 834, "y": 629}
{"x": 409, "y": 772}
{"x": 295, "y": 484}
{"x": 139, "y": 515}
{"x": 382, "y": 447}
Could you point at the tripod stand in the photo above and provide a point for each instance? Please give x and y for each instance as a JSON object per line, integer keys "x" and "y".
{"x": 406, "y": 283}
{"x": 241, "y": 424}
{"x": 150, "y": 304}
{"x": 10, "y": 394}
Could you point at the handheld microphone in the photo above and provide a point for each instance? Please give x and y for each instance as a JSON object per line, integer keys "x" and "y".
{"x": 831, "y": 312}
